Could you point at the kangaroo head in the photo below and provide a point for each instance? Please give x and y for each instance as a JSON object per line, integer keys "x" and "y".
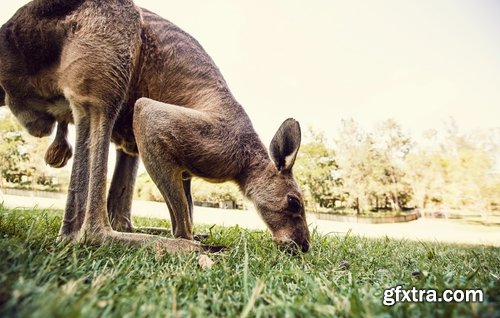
{"x": 278, "y": 199}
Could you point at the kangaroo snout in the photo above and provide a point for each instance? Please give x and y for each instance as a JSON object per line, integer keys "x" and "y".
{"x": 295, "y": 244}
{"x": 305, "y": 246}
{"x": 302, "y": 245}
{"x": 293, "y": 235}
{"x": 302, "y": 239}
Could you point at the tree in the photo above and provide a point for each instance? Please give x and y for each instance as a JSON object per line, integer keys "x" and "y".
{"x": 317, "y": 171}
{"x": 13, "y": 151}
{"x": 391, "y": 148}
{"x": 21, "y": 158}
{"x": 466, "y": 169}
{"x": 371, "y": 165}
{"x": 452, "y": 170}
{"x": 354, "y": 152}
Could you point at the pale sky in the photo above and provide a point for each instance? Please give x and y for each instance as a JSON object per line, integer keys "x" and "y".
{"x": 420, "y": 62}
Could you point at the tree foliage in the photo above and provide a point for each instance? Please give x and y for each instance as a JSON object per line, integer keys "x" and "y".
{"x": 14, "y": 155}
{"x": 316, "y": 170}
{"x": 455, "y": 171}
{"x": 384, "y": 169}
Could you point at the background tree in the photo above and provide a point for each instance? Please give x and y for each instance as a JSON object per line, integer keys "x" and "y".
{"x": 454, "y": 171}
{"x": 22, "y": 162}
{"x": 14, "y": 154}
{"x": 317, "y": 172}
{"x": 354, "y": 151}
{"x": 467, "y": 168}
{"x": 371, "y": 165}
{"x": 391, "y": 146}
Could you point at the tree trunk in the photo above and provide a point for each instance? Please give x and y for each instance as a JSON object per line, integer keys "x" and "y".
{"x": 395, "y": 200}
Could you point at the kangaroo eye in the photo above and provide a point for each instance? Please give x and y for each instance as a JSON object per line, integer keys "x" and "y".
{"x": 294, "y": 205}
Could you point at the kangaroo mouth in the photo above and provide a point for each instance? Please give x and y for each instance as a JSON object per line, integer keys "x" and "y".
{"x": 293, "y": 246}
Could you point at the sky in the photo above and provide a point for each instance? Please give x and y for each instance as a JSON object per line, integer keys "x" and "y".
{"x": 419, "y": 62}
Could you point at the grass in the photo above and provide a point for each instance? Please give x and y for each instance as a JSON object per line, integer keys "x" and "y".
{"x": 342, "y": 275}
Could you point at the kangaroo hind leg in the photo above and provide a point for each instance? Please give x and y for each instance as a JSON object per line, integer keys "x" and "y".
{"x": 164, "y": 135}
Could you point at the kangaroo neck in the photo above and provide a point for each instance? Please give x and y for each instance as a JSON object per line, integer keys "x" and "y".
{"x": 254, "y": 174}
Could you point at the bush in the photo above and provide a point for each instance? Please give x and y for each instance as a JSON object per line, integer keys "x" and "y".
{"x": 146, "y": 189}
{"x": 201, "y": 191}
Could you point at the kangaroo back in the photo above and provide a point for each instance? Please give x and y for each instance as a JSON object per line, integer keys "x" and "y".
{"x": 54, "y": 7}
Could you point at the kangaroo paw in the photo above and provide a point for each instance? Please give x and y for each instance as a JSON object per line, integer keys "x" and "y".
{"x": 58, "y": 154}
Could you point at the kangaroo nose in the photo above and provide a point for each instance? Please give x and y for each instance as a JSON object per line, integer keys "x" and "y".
{"x": 305, "y": 246}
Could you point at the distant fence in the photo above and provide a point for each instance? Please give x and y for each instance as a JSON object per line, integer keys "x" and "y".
{"x": 407, "y": 217}
{"x": 61, "y": 195}
{"x": 220, "y": 205}
{"x": 33, "y": 193}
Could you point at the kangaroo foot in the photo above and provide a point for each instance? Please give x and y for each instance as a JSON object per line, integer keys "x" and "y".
{"x": 163, "y": 244}
{"x": 167, "y": 245}
{"x": 213, "y": 248}
{"x": 164, "y": 231}
{"x": 67, "y": 238}
{"x": 100, "y": 237}
{"x": 200, "y": 237}
{"x": 152, "y": 230}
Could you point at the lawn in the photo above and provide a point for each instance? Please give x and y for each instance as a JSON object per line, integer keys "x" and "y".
{"x": 342, "y": 275}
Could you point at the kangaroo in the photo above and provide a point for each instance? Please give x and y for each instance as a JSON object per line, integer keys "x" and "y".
{"x": 216, "y": 141}
{"x": 87, "y": 62}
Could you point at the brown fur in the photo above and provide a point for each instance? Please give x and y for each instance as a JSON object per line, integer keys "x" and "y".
{"x": 220, "y": 145}
{"x": 2, "y": 97}
{"x": 87, "y": 62}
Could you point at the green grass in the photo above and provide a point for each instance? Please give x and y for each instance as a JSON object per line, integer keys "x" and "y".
{"x": 252, "y": 277}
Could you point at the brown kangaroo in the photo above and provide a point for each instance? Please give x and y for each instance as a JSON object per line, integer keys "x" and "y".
{"x": 87, "y": 62}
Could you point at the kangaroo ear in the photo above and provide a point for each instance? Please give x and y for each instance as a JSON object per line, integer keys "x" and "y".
{"x": 285, "y": 145}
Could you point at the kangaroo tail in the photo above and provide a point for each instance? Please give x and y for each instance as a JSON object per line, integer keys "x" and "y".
{"x": 55, "y": 7}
